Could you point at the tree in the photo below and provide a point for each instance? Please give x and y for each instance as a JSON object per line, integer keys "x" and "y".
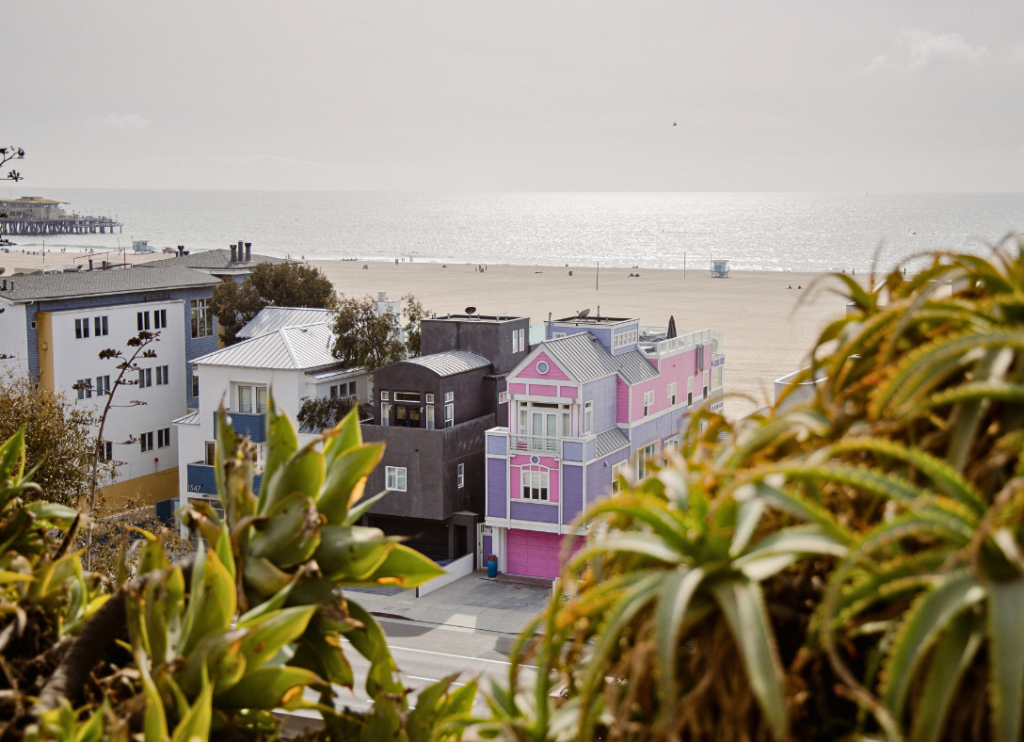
{"x": 283, "y": 285}
{"x": 414, "y": 315}
{"x": 58, "y": 436}
{"x": 365, "y": 337}
{"x": 11, "y": 153}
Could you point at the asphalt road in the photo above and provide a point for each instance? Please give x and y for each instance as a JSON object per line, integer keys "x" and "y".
{"x": 425, "y": 653}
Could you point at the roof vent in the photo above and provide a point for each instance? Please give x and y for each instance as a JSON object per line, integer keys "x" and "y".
{"x": 234, "y": 255}
{"x": 248, "y": 251}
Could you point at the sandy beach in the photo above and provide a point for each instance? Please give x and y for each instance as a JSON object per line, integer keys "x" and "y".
{"x": 767, "y": 334}
{"x": 768, "y": 329}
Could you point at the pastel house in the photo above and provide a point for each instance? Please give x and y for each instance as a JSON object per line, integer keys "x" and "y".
{"x": 597, "y": 396}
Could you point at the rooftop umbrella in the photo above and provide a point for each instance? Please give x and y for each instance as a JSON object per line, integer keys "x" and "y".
{"x": 671, "y": 328}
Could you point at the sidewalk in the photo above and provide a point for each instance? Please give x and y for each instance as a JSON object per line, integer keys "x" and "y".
{"x": 473, "y": 602}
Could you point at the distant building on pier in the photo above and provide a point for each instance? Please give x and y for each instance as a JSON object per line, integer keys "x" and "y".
{"x": 32, "y": 207}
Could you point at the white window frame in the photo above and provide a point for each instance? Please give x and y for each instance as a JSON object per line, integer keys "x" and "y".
{"x": 385, "y": 414}
{"x": 449, "y": 396}
{"x": 649, "y": 451}
{"x": 535, "y": 485}
{"x": 648, "y": 402}
{"x": 672, "y": 393}
{"x": 385, "y": 396}
{"x": 449, "y": 415}
{"x": 430, "y": 417}
{"x": 522, "y": 340}
{"x": 396, "y": 478}
{"x": 462, "y": 475}
{"x": 502, "y": 397}
{"x": 557, "y": 335}
{"x": 246, "y": 403}
{"x": 620, "y": 469}
{"x": 588, "y": 417}
{"x": 430, "y": 398}
{"x": 262, "y": 399}
{"x": 515, "y": 341}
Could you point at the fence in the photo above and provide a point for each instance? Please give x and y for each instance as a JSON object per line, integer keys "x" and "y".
{"x": 453, "y": 571}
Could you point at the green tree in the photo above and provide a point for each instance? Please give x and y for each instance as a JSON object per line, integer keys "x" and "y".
{"x": 365, "y": 337}
{"x": 58, "y": 437}
{"x": 414, "y": 315}
{"x": 283, "y": 285}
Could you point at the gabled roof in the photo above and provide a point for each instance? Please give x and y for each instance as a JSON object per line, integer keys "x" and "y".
{"x": 271, "y": 319}
{"x": 450, "y": 362}
{"x": 211, "y": 259}
{"x": 290, "y": 348}
{"x": 37, "y": 287}
{"x": 582, "y": 356}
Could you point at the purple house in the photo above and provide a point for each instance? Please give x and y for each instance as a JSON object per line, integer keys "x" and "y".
{"x": 598, "y": 395}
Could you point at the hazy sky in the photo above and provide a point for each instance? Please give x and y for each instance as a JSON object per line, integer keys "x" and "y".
{"x": 835, "y": 95}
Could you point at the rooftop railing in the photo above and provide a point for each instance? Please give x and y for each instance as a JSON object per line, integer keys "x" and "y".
{"x": 671, "y": 345}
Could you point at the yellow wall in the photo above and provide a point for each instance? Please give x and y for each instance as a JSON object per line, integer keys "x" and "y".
{"x": 44, "y": 334}
{"x": 147, "y": 490}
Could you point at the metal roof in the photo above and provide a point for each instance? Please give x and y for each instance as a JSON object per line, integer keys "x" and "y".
{"x": 37, "y": 287}
{"x": 191, "y": 418}
{"x": 609, "y": 442}
{"x": 585, "y": 359}
{"x": 450, "y": 362}
{"x": 290, "y": 348}
{"x": 211, "y": 259}
{"x": 271, "y": 319}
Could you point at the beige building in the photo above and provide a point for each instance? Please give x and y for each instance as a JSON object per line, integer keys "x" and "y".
{"x": 32, "y": 207}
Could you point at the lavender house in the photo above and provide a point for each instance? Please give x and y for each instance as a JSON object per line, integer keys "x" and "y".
{"x": 598, "y": 395}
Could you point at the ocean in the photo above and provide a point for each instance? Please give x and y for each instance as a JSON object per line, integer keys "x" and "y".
{"x": 755, "y": 231}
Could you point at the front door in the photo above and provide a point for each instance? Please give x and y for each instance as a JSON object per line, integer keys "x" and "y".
{"x": 407, "y": 416}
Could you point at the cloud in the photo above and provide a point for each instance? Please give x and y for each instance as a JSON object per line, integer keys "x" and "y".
{"x": 917, "y": 49}
{"x": 117, "y": 121}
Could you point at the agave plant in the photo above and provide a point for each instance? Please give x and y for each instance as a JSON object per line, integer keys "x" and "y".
{"x": 248, "y": 626}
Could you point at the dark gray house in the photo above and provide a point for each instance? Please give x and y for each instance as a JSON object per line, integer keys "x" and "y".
{"x": 432, "y": 411}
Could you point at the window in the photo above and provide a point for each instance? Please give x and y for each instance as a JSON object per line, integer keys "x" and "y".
{"x": 449, "y": 396}
{"x": 202, "y": 318}
{"x": 522, "y": 340}
{"x": 261, "y": 399}
{"x": 407, "y": 397}
{"x": 671, "y": 444}
{"x": 524, "y": 417}
{"x": 81, "y": 328}
{"x": 142, "y": 321}
{"x": 395, "y": 478}
{"x": 195, "y": 385}
{"x": 566, "y": 424}
{"x": 351, "y": 388}
{"x": 385, "y": 414}
{"x": 707, "y": 383}
{"x": 102, "y": 385}
{"x": 535, "y": 485}
{"x": 689, "y": 391}
{"x": 618, "y": 471}
{"x": 385, "y": 396}
{"x": 160, "y": 319}
{"x": 624, "y": 338}
{"x": 161, "y": 376}
{"x": 163, "y": 438}
{"x": 515, "y": 341}
{"x": 106, "y": 451}
{"x": 211, "y": 453}
{"x": 645, "y": 453}
{"x": 462, "y": 475}
{"x": 84, "y": 388}
{"x": 449, "y": 415}
{"x": 245, "y": 399}
{"x": 146, "y": 441}
{"x": 430, "y": 399}
{"x": 502, "y": 397}
{"x": 430, "y": 417}
{"x": 717, "y": 374}
{"x": 99, "y": 326}
{"x": 334, "y": 392}
{"x": 588, "y": 417}
{"x": 648, "y": 403}
{"x": 557, "y": 335}
{"x": 672, "y": 393}
{"x": 145, "y": 377}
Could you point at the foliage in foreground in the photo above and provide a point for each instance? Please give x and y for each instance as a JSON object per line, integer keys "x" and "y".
{"x": 209, "y": 648}
{"x": 849, "y": 566}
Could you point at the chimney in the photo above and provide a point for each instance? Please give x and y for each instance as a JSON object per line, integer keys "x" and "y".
{"x": 104, "y": 265}
{"x": 381, "y": 295}
{"x": 90, "y": 263}
{"x": 248, "y": 251}
{"x": 5, "y": 285}
{"x": 239, "y": 251}
{"x": 233, "y": 254}
{"x": 181, "y": 250}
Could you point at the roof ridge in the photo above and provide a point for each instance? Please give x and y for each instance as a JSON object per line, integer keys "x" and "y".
{"x": 288, "y": 345}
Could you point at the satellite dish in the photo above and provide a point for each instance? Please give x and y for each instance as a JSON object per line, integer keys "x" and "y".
{"x": 583, "y": 313}
{"x": 470, "y": 310}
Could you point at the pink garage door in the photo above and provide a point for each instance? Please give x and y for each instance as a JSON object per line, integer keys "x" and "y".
{"x": 533, "y": 553}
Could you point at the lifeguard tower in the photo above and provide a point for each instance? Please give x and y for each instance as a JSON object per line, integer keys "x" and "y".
{"x": 719, "y": 268}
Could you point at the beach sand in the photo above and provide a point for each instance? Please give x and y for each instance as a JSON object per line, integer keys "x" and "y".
{"x": 768, "y": 329}
{"x": 767, "y": 334}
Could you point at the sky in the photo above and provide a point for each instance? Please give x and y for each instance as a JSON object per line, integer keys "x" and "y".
{"x": 552, "y": 95}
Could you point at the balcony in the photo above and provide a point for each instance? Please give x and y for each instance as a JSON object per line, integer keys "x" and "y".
{"x": 535, "y": 444}
{"x": 653, "y": 342}
{"x": 250, "y": 424}
{"x": 202, "y": 480}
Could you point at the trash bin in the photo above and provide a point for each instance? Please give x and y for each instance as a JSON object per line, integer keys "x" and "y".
{"x": 492, "y": 567}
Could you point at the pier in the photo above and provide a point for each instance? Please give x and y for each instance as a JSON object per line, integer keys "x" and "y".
{"x": 66, "y": 225}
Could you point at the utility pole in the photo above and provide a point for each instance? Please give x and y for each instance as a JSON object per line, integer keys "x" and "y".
{"x": 597, "y": 286}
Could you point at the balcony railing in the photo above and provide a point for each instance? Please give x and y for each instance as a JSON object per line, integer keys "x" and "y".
{"x": 202, "y": 479}
{"x": 251, "y": 424}
{"x": 536, "y": 444}
{"x": 661, "y": 347}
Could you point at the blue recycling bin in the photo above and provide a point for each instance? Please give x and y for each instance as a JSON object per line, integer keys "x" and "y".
{"x": 492, "y": 567}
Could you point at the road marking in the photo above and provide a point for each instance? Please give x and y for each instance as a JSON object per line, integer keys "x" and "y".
{"x": 460, "y": 656}
{"x": 431, "y": 680}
